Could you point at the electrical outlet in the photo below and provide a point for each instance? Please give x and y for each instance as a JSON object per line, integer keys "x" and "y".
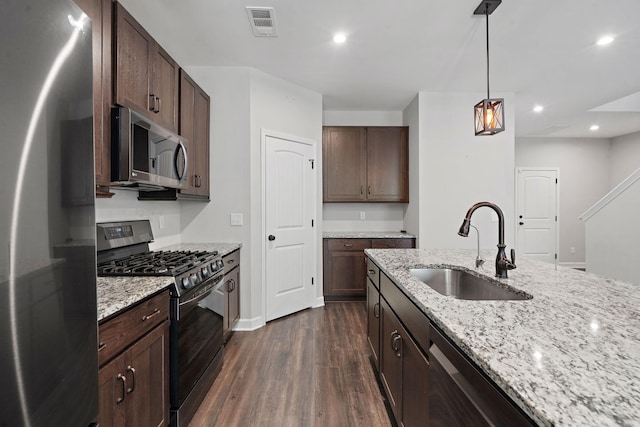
{"x": 161, "y": 222}
{"x": 573, "y": 249}
{"x": 236, "y": 219}
{"x": 362, "y": 215}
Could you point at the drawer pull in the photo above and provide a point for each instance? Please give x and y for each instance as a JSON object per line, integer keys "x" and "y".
{"x": 101, "y": 346}
{"x": 348, "y": 245}
{"x": 124, "y": 388}
{"x": 149, "y": 316}
{"x": 133, "y": 379}
{"x": 376, "y": 310}
{"x": 372, "y": 272}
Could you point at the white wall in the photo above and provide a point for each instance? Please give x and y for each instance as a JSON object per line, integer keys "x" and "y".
{"x": 124, "y": 205}
{"x": 625, "y": 157}
{"x": 459, "y": 169}
{"x": 243, "y": 102}
{"x": 613, "y": 236}
{"x": 412, "y": 218}
{"x": 584, "y": 179}
{"x": 378, "y": 216}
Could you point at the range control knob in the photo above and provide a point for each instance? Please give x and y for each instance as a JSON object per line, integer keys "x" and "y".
{"x": 186, "y": 283}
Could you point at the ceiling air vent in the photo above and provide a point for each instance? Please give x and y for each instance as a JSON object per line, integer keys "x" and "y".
{"x": 263, "y": 21}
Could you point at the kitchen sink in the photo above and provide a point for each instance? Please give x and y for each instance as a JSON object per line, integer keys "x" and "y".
{"x": 463, "y": 285}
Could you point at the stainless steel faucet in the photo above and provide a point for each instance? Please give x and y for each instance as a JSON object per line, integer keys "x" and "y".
{"x": 503, "y": 264}
{"x": 479, "y": 261}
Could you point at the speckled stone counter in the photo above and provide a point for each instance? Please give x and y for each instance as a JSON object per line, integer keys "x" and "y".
{"x": 222, "y": 248}
{"x": 570, "y": 356}
{"x": 366, "y": 235}
{"x": 118, "y": 293}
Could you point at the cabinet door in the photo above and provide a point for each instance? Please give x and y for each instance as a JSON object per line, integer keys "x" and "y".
{"x": 344, "y": 164}
{"x": 387, "y": 164}
{"x": 187, "y": 126}
{"x": 148, "y": 379}
{"x": 112, "y": 393}
{"x": 133, "y": 63}
{"x": 347, "y": 274}
{"x": 194, "y": 125}
{"x": 234, "y": 297}
{"x": 391, "y": 357}
{"x": 415, "y": 385}
{"x": 202, "y": 119}
{"x": 373, "y": 322}
{"x": 100, "y": 12}
{"x": 164, "y": 86}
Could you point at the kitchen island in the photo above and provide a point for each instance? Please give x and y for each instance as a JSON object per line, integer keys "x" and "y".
{"x": 568, "y": 356}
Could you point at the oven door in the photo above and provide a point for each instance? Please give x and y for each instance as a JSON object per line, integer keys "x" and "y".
{"x": 196, "y": 338}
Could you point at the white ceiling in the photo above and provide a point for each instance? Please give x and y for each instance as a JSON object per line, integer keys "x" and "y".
{"x": 542, "y": 50}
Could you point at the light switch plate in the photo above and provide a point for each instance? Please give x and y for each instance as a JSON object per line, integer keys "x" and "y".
{"x": 362, "y": 215}
{"x": 236, "y": 219}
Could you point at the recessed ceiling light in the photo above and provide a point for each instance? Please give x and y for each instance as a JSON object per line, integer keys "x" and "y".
{"x": 339, "y": 38}
{"x": 605, "y": 40}
{"x": 538, "y": 108}
{"x": 594, "y": 127}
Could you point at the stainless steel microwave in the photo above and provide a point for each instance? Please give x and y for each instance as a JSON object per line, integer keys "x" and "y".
{"x": 145, "y": 155}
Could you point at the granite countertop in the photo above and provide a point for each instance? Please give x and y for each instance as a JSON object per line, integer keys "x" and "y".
{"x": 569, "y": 356}
{"x": 117, "y": 293}
{"x": 366, "y": 235}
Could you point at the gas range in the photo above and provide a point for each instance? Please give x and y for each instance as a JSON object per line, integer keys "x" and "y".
{"x": 123, "y": 250}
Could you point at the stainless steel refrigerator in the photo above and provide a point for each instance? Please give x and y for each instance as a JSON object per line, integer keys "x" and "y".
{"x": 48, "y": 326}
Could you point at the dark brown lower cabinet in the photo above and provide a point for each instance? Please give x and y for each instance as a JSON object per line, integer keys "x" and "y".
{"x": 373, "y": 322}
{"x": 134, "y": 387}
{"x": 345, "y": 265}
{"x": 428, "y": 381}
{"x": 404, "y": 371}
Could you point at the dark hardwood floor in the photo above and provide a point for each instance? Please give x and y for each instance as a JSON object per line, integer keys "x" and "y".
{"x": 308, "y": 369}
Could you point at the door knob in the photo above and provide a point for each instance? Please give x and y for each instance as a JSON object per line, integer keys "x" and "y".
{"x": 271, "y": 237}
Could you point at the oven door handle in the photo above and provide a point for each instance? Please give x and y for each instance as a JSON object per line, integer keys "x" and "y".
{"x": 186, "y": 304}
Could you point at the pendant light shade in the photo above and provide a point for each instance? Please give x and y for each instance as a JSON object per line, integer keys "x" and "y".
{"x": 488, "y": 113}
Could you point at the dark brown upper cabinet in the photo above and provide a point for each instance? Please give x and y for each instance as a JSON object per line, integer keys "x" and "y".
{"x": 100, "y": 12}
{"x": 194, "y": 126}
{"x": 365, "y": 164}
{"x": 146, "y": 77}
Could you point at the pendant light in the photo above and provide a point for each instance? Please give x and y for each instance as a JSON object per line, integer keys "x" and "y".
{"x": 488, "y": 113}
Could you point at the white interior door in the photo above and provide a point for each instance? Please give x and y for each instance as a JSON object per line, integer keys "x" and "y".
{"x": 537, "y": 213}
{"x": 290, "y": 200}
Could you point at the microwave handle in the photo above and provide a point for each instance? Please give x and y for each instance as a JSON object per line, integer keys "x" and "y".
{"x": 186, "y": 161}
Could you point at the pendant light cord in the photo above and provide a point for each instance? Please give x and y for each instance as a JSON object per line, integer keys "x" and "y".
{"x": 486, "y": 11}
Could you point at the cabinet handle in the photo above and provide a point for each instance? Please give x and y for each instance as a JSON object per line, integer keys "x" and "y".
{"x": 159, "y": 104}
{"x": 152, "y": 106}
{"x": 361, "y": 190}
{"x": 101, "y": 346}
{"x": 149, "y": 316}
{"x": 348, "y": 245}
{"x": 376, "y": 310}
{"x": 368, "y": 189}
{"x": 231, "y": 261}
{"x": 133, "y": 379}
{"x": 124, "y": 387}
{"x": 396, "y": 343}
{"x": 372, "y": 271}
{"x": 229, "y": 289}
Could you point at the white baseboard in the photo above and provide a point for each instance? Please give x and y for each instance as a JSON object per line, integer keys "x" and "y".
{"x": 572, "y": 264}
{"x": 319, "y": 302}
{"x": 249, "y": 324}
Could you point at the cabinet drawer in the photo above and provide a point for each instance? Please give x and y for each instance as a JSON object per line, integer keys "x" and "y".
{"x": 392, "y": 243}
{"x": 349, "y": 244}
{"x": 373, "y": 273}
{"x": 231, "y": 261}
{"x": 413, "y": 319}
{"x": 117, "y": 333}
